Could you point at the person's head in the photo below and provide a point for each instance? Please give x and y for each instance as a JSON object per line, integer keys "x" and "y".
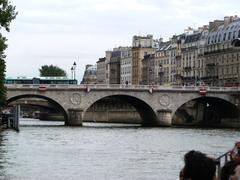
{"x": 230, "y": 170}
{"x": 198, "y": 167}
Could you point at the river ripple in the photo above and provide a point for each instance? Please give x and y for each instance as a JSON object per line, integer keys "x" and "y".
{"x": 49, "y": 150}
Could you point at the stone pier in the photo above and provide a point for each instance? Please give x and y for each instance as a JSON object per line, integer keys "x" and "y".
{"x": 164, "y": 117}
{"x": 75, "y": 117}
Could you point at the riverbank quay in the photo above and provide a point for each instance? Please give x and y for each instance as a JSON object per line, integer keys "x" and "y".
{"x": 10, "y": 120}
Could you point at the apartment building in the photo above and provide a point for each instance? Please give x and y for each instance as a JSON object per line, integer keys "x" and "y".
{"x": 126, "y": 66}
{"x": 162, "y": 57}
{"x": 209, "y": 54}
{"x": 90, "y": 75}
{"x": 114, "y": 67}
{"x": 101, "y": 71}
{"x": 222, "y": 56}
{"x": 149, "y": 70}
{"x": 119, "y": 71}
{"x": 141, "y": 46}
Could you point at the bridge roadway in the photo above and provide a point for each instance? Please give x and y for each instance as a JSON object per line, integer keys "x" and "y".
{"x": 155, "y": 104}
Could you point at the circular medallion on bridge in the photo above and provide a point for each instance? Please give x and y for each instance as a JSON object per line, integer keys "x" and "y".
{"x": 75, "y": 98}
{"x": 164, "y": 100}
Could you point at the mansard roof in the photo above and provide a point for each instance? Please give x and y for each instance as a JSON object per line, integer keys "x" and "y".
{"x": 193, "y": 37}
{"x": 164, "y": 46}
{"x": 225, "y": 33}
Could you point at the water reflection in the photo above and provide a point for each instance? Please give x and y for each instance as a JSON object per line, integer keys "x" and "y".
{"x": 49, "y": 150}
{"x": 3, "y": 160}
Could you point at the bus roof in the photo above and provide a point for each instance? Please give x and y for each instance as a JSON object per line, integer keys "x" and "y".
{"x": 42, "y": 78}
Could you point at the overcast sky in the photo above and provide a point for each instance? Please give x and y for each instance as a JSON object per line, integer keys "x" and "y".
{"x": 60, "y": 32}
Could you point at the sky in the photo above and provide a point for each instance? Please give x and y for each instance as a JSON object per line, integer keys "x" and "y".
{"x": 59, "y": 32}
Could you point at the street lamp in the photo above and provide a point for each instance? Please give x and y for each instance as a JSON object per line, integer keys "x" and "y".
{"x": 74, "y": 70}
{"x": 150, "y": 76}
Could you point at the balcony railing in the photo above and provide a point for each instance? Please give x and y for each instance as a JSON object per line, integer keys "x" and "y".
{"x": 187, "y": 68}
{"x": 210, "y": 64}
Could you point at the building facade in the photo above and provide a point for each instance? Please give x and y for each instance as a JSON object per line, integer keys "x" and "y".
{"x": 119, "y": 65}
{"x": 190, "y": 58}
{"x": 222, "y": 58}
{"x": 208, "y": 55}
{"x": 126, "y": 66}
{"x": 90, "y": 75}
{"x": 101, "y": 71}
{"x": 114, "y": 67}
{"x": 149, "y": 70}
{"x": 141, "y": 46}
{"x": 162, "y": 56}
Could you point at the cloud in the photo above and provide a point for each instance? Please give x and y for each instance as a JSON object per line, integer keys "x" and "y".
{"x": 60, "y": 31}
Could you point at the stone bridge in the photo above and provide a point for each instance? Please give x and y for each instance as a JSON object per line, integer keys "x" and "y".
{"x": 155, "y": 104}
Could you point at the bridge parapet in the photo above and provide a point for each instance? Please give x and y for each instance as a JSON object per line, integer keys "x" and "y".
{"x": 121, "y": 87}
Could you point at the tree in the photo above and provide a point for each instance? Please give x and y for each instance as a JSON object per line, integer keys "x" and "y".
{"x": 7, "y": 14}
{"x": 47, "y": 71}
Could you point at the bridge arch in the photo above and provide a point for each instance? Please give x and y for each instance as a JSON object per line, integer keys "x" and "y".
{"x": 206, "y": 111}
{"x": 145, "y": 111}
{"x": 53, "y": 102}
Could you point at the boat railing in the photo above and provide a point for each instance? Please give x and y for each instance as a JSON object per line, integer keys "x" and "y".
{"x": 221, "y": 160}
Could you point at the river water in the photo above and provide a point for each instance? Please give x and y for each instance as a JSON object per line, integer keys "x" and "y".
{"x": 49, "y": 150}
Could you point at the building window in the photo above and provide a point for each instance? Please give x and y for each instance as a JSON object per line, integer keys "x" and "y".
{"x": 215, "y": 40}
{"x": 219, "y": 37}
{"x": 224, "y": 36}
{"x": 229, "y": 35}
{"x": 212, "y": 39}
{"x": 239, "y": 33}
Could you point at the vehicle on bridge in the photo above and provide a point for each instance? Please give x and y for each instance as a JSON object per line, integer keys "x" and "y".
{"x": 40, "y": 80}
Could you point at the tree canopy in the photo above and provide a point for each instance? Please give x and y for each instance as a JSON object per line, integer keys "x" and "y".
{"x": 49, "y": 71}
{"x": 7, "y": 14}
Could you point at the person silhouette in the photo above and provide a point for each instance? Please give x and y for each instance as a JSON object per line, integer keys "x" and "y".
{"x": 198, "y": 167}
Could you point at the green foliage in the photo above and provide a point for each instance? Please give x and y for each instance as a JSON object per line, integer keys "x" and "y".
{"x": 49, "y": 71}
{"x": 2, "y": 79}
{"x": 7, "y": 14}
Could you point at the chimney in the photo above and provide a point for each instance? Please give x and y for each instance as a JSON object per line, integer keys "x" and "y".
{"x": 88, "y": 65}
{"x": 227, "y": 20}
{"x": 160, "y": 40}
{"x": 215, "y": 24}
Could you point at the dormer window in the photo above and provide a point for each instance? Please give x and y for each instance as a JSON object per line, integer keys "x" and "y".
{"x": 229, "y": 35}
{"x": 224, "y": 36}
{"x": 209, "y": 40}
{"x": 219, "y": 37}
{"x": 215, "y": 39}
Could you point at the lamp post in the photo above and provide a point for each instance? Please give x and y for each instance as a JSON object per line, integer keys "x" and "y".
{"x": 74, "y": 70}
{"x": 160, "y": 74}
{"x": 150, "y": 71}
